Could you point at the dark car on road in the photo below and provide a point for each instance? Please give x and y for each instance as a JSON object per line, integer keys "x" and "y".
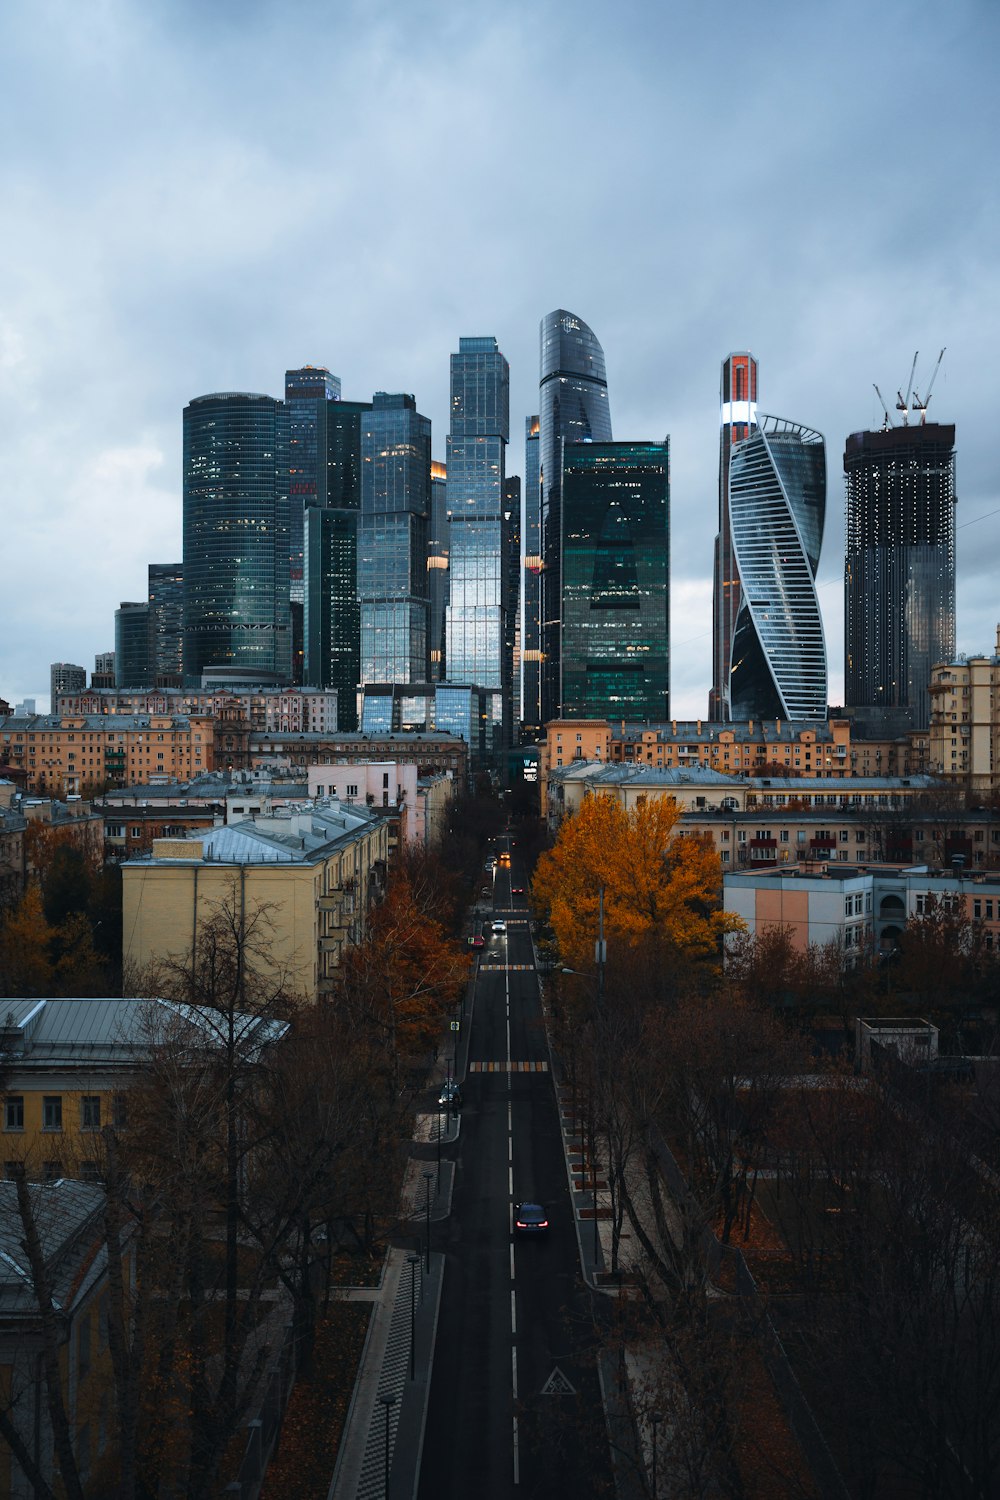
{"x": 530, "y": 1218}
{"x": 450, "y": 1096}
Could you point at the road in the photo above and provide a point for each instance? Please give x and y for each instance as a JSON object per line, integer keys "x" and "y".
{"x": 516, "y": 1317}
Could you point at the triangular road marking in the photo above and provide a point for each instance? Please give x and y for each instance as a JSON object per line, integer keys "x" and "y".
{"x": 558, "y": 1385}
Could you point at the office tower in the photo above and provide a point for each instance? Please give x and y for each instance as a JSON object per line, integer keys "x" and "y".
{"x": 308, "y": 393}
{"x": 133, "y": 657}
{"x": 573, "y": 408}
{"x": 392, "y": 540}
{"x": 437, "y": 570}
{"x": 777, "y": 506}
{"x": 899, "y": 578}
{"x": 512, "y": 608}
{"x": 103, "y": 675}
{"x": 616, "y": 581}
{"x": 236, "y": 587}
{"x": 737, "y": 419}
{"x": 166, "y": 622}
{"x": 332, "y": 625}
{"x": 476, "y": 623}
{"x": 65, "y": 677}
{"x": 530, "y": 707}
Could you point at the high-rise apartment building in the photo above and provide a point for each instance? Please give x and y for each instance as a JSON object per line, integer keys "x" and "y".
{"x": 899, "y": 576}
{"x": 166, "y": 622}
{"x": 777, "y": 508}
{"x": 616, "y": 581}
{"x": 737, "y": 419}
{"x": 478, "y": 562}
{"x": 573, "y": 407}
{"x": 530, "y": 706}
{"x": 103, "y": 675}
{"x": 65, "y": 677}
{"x": 437, "y": 570}
{"x": 133, "y": 656}
{"x": 236, "y": 551}
{"x": 392, "y": 540}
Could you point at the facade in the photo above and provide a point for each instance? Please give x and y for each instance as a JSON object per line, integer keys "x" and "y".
{"x": 572, "y": 408}
{"x": 292, "y": 754}
{"x": 63, "y": 755}
{"x": 777, "y": 507}
{"x": 66, "y": 677}
{"x": 449, "y": 708}
{"x": 166, "y": 622}
{"x": 236, "y": 541}
{"x": 616, "y": 581}
{"x": 899, "y": 572}
{"x": 476, "y": 632}
{"x": 297, "y": 710}
{"x": 392, "y": 540}
{"x": 133, "y": 657}
{"x": 316, "y": 870}
{"x": 438, "y": 591}
{"x": 308, "y": 393}
{"x": 530, "y": 708}
{"x": 103, "y": 675}
{"x": 512, "y": 635}
{"x": 964, "y": 737}
{"x": 332, "y": 619}
{"x": 737, "y": 419}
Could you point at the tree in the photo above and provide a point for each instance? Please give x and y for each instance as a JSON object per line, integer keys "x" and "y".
{"x": 26, "y": 938}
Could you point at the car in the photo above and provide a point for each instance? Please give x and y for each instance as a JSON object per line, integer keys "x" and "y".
{"x": 517, "y": 890}
{"x": 450, "y": 1096}
{"x": 530, "y": 1218}
{"x": 498, "y": 926}
{"x": 477, "y": 940}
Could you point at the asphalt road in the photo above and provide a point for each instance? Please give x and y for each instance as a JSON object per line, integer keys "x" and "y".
{"x": 514, "y": 1407}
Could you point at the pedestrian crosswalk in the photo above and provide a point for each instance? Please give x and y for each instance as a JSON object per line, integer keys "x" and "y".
{"x": 508, "y": 1067}
{"x": 504, "y": 968}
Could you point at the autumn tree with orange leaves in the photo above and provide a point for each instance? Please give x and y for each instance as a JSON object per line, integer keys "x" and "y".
{"x": 661, "y": 890}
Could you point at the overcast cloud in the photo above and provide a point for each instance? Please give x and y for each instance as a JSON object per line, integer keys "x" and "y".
{"x": 197, "y": 196}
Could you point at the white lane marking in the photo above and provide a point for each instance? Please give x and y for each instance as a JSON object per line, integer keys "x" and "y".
{"x": 510, "y": 1182}
{"x": 517, "y": 1455}
{"x": 513, "y": 1314}
{"x": 512, "y": 1260}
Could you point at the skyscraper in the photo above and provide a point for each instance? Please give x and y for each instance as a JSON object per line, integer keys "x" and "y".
{"x": 133, "y": 646}
{"x": 616, "y": 581}
{"x": 512, "y": 608}
{"x": 65, "y": 677}
{"x": 573, "y": 408}
{"x": 777, "y": 507}
{"x": 166, "y": 622}
{"x": 478, "y": 561}
{"x": 437, "y": 570}
{"x": 392, "y": 540}
{"x": 737, "y": 419}
{"x": 236, "y": 555}
{"x": 307, "y": 394}
{"x": 899, "y": 578}
{"x": 530, "y": 708}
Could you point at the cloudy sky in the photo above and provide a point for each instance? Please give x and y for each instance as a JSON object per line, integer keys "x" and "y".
{"x": 196, "y": 196}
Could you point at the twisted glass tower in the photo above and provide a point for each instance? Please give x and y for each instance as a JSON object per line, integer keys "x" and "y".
{"x": 573, "y": 408}
{"x": 777, "y": 507}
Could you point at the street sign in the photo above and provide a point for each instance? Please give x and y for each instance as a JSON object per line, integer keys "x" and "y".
{"x": 558, "y": 1385}
{"x": 456, "y": 1025}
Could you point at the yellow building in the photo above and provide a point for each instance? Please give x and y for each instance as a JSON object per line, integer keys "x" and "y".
{"x": 62, "y": 756}
{"x": 316, "y": 869}
{"x": 964, "y": 736}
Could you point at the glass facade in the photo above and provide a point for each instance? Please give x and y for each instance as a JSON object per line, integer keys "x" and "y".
{"x": 512, "y": 608}
{"x": 236, "y": 553}
{"x": 133, "y": 655}
{"x": 332, "y": 624}
{"x": 616, "y": 581}
{"x": 777, "y": 508}
{"x": 530, "y": 707}
{"x": 737, "y": 419}
{"x": 573, "y": 408}
{"x": 437, "y": 570}
{"x": 899, "y": 581}
{"x": 166, "y": 623}
{"x": 392, "y": 541}
{"x": 308, "y": 393}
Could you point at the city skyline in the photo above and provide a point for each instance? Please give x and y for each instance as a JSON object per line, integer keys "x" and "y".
{"x": 145, "y": 270}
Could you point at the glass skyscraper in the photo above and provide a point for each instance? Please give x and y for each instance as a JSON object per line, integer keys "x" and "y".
{"x": 308, "y": 393}
{"x": 616, "y": 581}
{"x": 737, "y": 419}
{"x": 133, "y": 656}
{"x": 437, "y": 569}
{"x": 573, "y": 408}
{"x": 166, "y": 621}
{"x": 478, "y": 561}
{"x": 530, "y": 707}
{"x": 236, "y": 552}
{"x": 777, "y": 508}
{"x": 899, "y": 579}
{"x": 392, "y": 540}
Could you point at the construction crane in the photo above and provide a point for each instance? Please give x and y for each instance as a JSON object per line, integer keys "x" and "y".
{"x": 921, "y": 406}
{"x": 904, "y": 406}
{"x": 888, "y": 420}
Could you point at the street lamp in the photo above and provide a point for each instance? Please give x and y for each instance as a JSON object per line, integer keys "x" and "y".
{"x": 413, "y": 1261}
{"x": 388, "y": 1402}
{"x": 428, "y": 1177}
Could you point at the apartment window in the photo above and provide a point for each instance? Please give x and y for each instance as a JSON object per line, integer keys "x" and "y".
{"x": 136, "y": 830}
{"x": 724, "y": 856}
{"x": 921, "y": 906}
{"x": 977, "y": 909}
{"x": 90, "y": 1171}
{"x": 724, "y": 835}
{"x": 352, "y": 791}
{"x": 51, "y": 1171}
{"x": 741, "y": 835}
{"x": 119, "y": 1112}
{"x": 844, "y": 835}
{"x": 90, "y": 1112}
{"x": 859, "y": 835}
{"x": 989, "y": 911}
{"x": 13, "y": 1112}
{"x": 52, "y": 1112}
{"x": 783, "y": 835}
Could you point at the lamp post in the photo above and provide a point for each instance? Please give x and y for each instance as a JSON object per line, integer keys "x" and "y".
{"x": 439, "y": 1130}
{"x": 388, "y": 1402}
{"x": 413, "y": 1261}
{"x": 428, "y": 1178}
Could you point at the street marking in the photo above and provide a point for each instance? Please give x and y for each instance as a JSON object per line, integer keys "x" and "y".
{"x": 508, "y": 1067}
{"x": 513, "y": 1313}
{"x": 505, "y": 968}
{"x": 512, "y": 1260}
{"x": 558, "y": 1385}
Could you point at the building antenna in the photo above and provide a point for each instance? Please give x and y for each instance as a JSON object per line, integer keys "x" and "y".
{"x": 904, "y": 406}
{"x": 888, "y": 420}
{"x": 921, "y": 406}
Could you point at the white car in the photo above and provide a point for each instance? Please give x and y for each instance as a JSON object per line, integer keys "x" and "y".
{"x": 499, "y": 927}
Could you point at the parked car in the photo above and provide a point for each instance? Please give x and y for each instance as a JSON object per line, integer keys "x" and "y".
{"x": 477, "y": 940}
{"x": 530, "y": 1218}
{"x": 450, "y": 1096}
